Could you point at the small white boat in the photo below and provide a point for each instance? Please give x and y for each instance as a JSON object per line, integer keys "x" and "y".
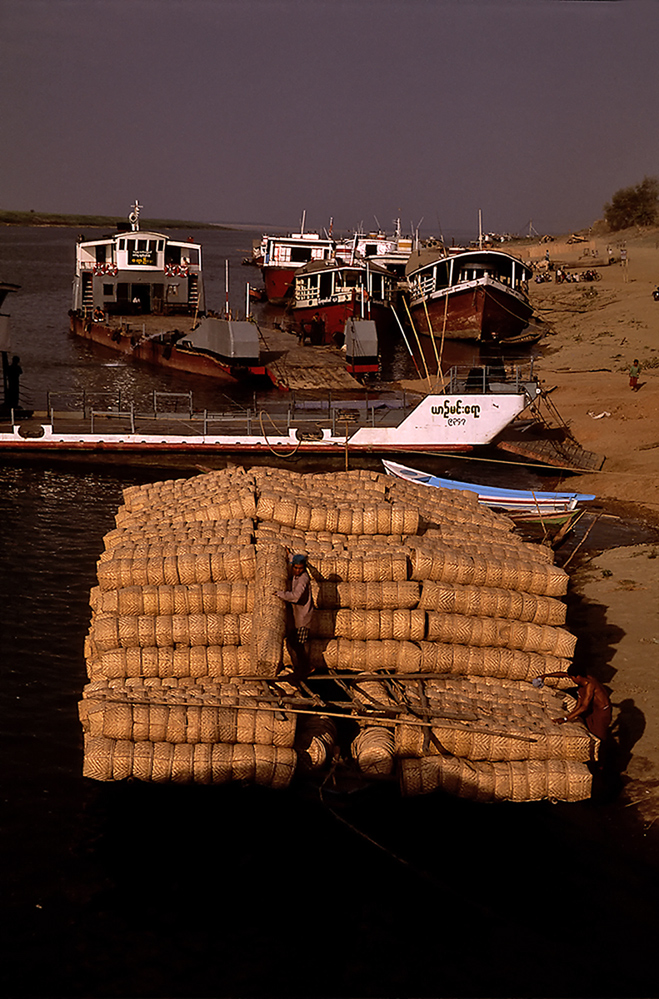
{"x": 513, "y": 501}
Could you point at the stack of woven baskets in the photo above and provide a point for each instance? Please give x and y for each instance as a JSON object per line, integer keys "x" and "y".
{"x": 424, "y": 588}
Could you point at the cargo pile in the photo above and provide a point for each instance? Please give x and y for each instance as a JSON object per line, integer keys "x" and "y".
{"x": 432, "y": 618}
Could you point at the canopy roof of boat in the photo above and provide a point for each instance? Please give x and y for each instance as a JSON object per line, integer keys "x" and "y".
{"x": 136, "y": 234}
{"x": 421, "y": 259}
{"x": 335, "y": 264}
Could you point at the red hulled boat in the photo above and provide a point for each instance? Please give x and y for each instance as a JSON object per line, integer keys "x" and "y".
{"x": 472, "y": 295}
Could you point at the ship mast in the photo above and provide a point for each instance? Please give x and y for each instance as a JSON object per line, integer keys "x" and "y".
{"x": 134, "y": 217}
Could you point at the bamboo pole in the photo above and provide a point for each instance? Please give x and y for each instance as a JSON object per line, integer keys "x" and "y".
{"x": 423, "y": 357}
{"x": 409, "y": 349}
{"x": 432, "y": 335}
{"x": 322, "y": 713}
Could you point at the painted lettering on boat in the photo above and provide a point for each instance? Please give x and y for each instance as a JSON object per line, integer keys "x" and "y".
{"x": 457, "y": 409}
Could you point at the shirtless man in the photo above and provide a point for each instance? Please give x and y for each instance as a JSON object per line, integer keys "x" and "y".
{"x": 593, "y": 703}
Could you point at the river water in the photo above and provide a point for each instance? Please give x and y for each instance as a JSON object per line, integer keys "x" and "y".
{"x": 139, "y": 890}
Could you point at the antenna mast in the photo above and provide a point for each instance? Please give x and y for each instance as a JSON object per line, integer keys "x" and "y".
{"x": 134, "y": 217}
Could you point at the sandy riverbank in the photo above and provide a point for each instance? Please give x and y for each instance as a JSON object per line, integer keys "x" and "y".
{"x": 598, "y": 329}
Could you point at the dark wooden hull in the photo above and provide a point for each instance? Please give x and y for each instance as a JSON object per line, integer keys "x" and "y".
{"x": 483, "y": 312}
{"x": 334, "y": 315}
{"x": 161, "y": 354}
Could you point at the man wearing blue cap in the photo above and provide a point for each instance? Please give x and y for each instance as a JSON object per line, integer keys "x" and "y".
{"x": 301, "y": 603}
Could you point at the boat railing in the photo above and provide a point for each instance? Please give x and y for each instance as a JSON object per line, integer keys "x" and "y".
{"x": 83, "y": 401}
{"x": 489, "y": 379}
{"x": 162, "y": 396}
{"x": 114, "y": 414}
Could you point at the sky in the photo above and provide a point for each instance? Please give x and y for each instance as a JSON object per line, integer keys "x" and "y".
{"x": 533, "y": 112}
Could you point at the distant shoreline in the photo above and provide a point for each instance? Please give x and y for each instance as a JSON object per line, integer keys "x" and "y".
{"x": 46, "y": 219}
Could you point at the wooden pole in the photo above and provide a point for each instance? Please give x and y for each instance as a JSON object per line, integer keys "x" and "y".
{"x": 432, "y": 335}
{"x": 407, "y": 343}
{"x": 423, "y": 356}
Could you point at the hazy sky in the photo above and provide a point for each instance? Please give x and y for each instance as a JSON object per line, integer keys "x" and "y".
{"x": 256, "y": 110}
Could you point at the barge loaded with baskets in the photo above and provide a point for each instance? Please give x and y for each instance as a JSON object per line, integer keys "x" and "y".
{"x": 432, "y": 620}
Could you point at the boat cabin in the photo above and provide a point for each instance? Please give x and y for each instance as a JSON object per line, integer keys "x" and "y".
{"x": 327, "y": 281}
{"x": 295, "y": 250}
{"x": 137, "y": 272}
{"x": 465, "y": 269}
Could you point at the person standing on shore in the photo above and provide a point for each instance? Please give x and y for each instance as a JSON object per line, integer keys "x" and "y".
{"x": 634, "y": 374}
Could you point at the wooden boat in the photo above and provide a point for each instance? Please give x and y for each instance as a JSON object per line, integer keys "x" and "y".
{"x": 142, "y": 294}
{"x": 280, "y": 257}
{"x": 551, "y": 507}
{"x": 391, "y": 252}
{"x": 370, "y": 424}
{"x": 329, "y": 293}
{"x": 471, "y": 295}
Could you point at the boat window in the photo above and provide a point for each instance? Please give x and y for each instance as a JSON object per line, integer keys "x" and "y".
{"x": 122, "y": 244}
{"x": 161, "y": 244}
{"x": 108, "y": 291}
{"x": 193, "y": 254}
{"x": 142, "y": 244}
{"x": 441, "y": 276}
{"x": 300, "y": 254}
{"x": 370, "y": 249}
{"x": 172, "y": 254}
{"x": 302, "y": 287}
{"x": 325, "y": 289}
{"x": 100, "y": 253}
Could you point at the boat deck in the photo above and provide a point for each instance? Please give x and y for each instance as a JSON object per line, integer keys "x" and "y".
{"x": 290, "y": 365}
{"x": 304, "y": 413}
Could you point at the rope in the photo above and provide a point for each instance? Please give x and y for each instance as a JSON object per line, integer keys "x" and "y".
{"x": 278, "y": 454}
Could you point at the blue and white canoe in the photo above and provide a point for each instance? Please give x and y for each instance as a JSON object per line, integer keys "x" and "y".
{"x": 516, "y": 502}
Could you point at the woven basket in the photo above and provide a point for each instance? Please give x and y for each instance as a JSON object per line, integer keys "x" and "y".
{"x": 314, "y": 741}
{"x": 269, "y": 617}
{"x": 491, "y": 602}
{"x": 366, "y": 596}
{"x": 512, "y": 664}
{"x": 497, "y": 632}
{"x": 373, "y": 749}
{"x": 558, "y": 780}
{"x": 105, "y": 759}
{"x": 452, "y": 567}
{"x": 377, "y": 567}
{"x": 477, "y": 744}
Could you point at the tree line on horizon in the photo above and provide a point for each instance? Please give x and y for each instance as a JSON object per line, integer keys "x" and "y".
{"x": 636, "y": 205}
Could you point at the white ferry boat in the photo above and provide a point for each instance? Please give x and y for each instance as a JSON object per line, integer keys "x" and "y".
{"x": 141, "y": 293}
{"x": 457, "y": 419}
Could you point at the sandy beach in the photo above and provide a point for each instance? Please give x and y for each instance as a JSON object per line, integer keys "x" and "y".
{"x": 599, "y": 329}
